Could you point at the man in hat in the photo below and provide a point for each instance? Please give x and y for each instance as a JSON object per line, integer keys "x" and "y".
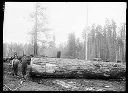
{"x": 15, "y": 63}
{"x": 24, "y": 66}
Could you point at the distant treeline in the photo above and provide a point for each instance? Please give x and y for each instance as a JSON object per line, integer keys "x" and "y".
{"x": 107, "y": 42}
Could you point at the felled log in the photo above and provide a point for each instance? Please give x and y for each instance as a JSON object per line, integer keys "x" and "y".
{"x": 86, "y": 69}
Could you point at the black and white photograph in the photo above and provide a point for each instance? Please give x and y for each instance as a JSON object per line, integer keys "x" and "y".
{"x": 64, "y": 46}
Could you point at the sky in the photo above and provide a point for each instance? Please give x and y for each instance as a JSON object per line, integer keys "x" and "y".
{"x": 63, "y": 18}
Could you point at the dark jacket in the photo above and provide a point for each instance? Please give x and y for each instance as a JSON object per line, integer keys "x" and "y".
{"x": 24, "y": 65}
{"x": 24, "y": 61}
{"x": 15, "y": 63}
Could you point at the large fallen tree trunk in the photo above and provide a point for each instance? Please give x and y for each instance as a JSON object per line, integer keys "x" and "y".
{"x": 87, "y": 69}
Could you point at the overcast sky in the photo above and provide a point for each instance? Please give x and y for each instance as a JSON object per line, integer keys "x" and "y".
{"x": 63, "y": 18}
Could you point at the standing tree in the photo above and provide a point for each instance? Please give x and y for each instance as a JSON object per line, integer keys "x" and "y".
{"x": 85, "y": 37}
{"x": 114, "y": 39}
{"x": 91, "y": 43}
{"x": 71, "y": 46}
{"x": 39, "y": 26}
{"x": 78, "y": 48}
{"x": 122, "y": 42}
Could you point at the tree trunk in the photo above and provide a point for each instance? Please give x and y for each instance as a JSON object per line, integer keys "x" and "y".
{"x": 35, "y": 35}
{"x": 116, "y": 55}
{"x": 73, "y": 67}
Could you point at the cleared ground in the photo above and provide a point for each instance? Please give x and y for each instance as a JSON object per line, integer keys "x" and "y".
{"x": 52, "y": 84}
{"x": 58, "y": 84}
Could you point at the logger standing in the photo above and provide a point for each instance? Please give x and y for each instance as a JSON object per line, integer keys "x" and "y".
{"x": 15, "y": 63}
{"x": 24, "y": 66}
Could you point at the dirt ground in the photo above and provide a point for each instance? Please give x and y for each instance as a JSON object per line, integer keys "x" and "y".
{"x": 13, "y": 83}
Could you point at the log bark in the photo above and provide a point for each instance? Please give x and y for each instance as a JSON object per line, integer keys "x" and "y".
{"x": 87, "y": 69}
